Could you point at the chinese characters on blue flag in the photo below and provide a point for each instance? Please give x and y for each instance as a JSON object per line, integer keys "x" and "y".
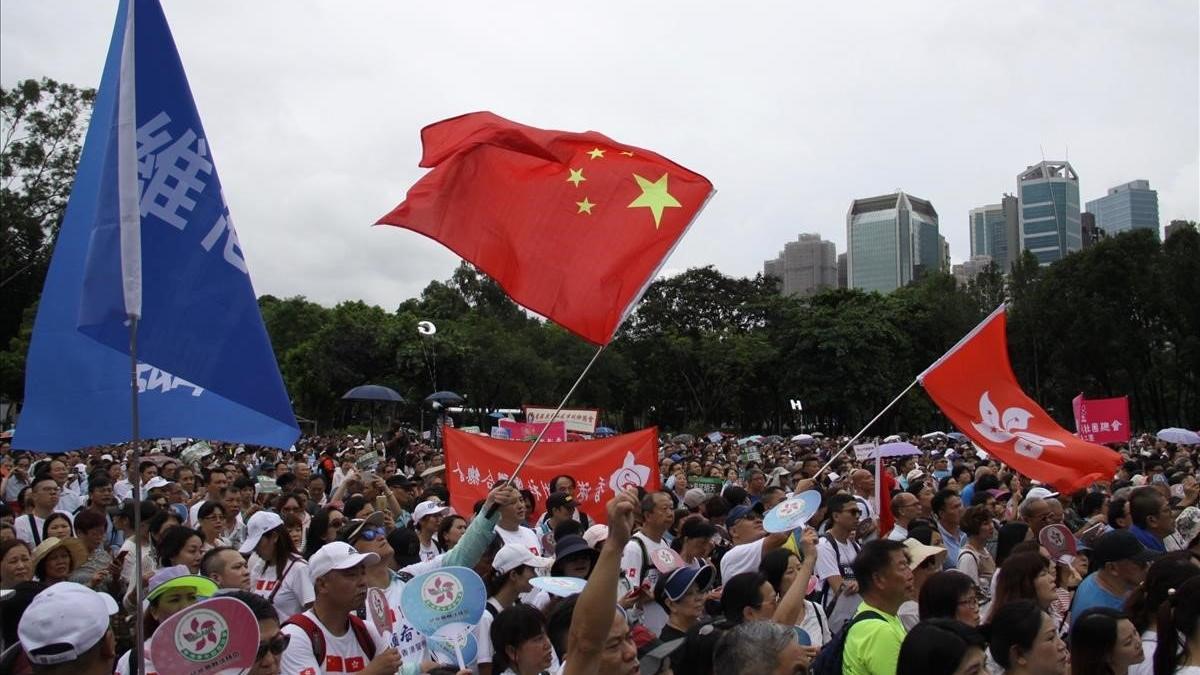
{"x": 147, "y": 233}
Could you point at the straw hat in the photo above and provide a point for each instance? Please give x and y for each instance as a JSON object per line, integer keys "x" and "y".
{"x": 75, "y": 547}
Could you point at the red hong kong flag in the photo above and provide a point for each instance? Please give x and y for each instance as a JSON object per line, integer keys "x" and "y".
{"x": 573, "y": 226}
{"x": 973, "y": 384}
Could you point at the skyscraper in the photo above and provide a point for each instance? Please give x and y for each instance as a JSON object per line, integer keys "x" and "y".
{"x": 990, "y": 230}
{"x": 891, "y": 239}
{"x": 1131, "y": 206}
{"x": 1049, "y": 194}
{"x": 805, "y": 266}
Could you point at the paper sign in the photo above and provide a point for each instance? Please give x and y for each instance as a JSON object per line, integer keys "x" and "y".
{"x": 208, "y": 637}
{"x": 579, "y": 420}
{"x": 793, "y": 512}
{"x": 449, "y": 595}
{"x": 561, "y": 586}
{"x": 367, "y": 462}
{"x": 864, "y": 450}
{"x": 711, "y": 486}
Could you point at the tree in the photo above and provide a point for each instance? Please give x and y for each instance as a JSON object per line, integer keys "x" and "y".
{"x": 41, "y": 122}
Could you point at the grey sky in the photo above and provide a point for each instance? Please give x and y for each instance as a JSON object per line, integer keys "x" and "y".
{"x": 792, "y": 109}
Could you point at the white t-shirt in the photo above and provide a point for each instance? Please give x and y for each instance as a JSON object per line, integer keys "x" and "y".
{"x": 343, "y": 654}
{"x": 69, "y": 500}
{"x": 651, "y": 614}
{"x": 741, "y": 558}
{"x": 815, "y": 623}
{"x": 483, "y": 634}
{"x": 523, "y": 537}
{"x": 1149, "y": 644}
{"x": 127, "y": 567}
{"x": 429, "y": 551}
{"x": 124, "y": 668}
{"x": 123, "y": 490}
{"x": 27, "y": 535}
{"x": 827, "y": 566}
{"x": 297, "y": 589}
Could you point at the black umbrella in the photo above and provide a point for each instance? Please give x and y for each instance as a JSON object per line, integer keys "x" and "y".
{"x": 446, "y": 398}
{"x": 373, "y": 392}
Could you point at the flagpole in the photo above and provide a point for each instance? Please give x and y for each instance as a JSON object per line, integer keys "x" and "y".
{"x": 864, "y": 429}
{"x": 557, "y": 410}
{"x": 135, "y": 461}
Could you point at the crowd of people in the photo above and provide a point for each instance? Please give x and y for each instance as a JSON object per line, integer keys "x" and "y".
{"x": 955, "y": 577}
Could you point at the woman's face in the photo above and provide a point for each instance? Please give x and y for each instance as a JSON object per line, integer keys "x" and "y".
{"x": 212, "y": 524}
{"x": 522, "y": 578}
{"x": 16, "y": 567}
{"x": 297, "y": 535}
{"x": 986, "y": 530}
{"x": 1043, "y": 584}
{"x": 1049, "y": 655}
{"x": 691, "y": 605}
{"x": 532, "y": 655}
{"x": 769, "y": 602}
{"x": 1128, "y": 650}
{"x": 968, "y": 608}
{"x": 93, "y": 538}
{"x": 190, "y": 554}
{"x": 972, "y": 662}
{"x": 172, "y": 601}
{"x": 58, "y": 565}
{"x": 456, "y": 531}
{"x": 59, "y": 527}
{"x": 578, "y": 566}
{"x": 789, "y": 574}
{"x": 925, "y": 496}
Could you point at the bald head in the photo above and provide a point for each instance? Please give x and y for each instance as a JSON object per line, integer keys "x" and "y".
{"x": 863, "y": 481}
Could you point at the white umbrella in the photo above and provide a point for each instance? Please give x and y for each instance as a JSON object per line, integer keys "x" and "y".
{"x": 897, "y": 449}
{"x": 803, "y": 439}
{"x": 1179, "y": 436}
{"x": 892, "y": 439}
{"x": 933, "y": 434}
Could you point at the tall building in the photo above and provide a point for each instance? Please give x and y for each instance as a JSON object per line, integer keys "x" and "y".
{"x": 994, "y": 231}
{"x": 968, "y": 270}
{"x": 1132, "y": 206}
{"x": 805, "y": 266}
{"x": 890, "y": 240}
{"x": 1089, "y": 232}
{"x": 842, "y": 270}
{"x": 1049, "y": 194}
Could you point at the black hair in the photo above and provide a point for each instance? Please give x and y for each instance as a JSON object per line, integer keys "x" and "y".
{"x": 1009, "y": 535}
{"x": 98, "y": 482}
{"x": 1144, "y": 503}
{"x": 716, "y": 506}
{"x": 742, "y": 591}
{"x": 444, "y": 529}
{"x": 173, "y": 541}
{"x": 1014, "y": 624}
{"x": 941, "y": 592}
{"x": 941, "y": 497}
{"x": 1179, "y": 615}
{"x": 937, "y": 647}
{"x": 1116, "y": 510}
{"x": 874, "y": 557}
{"x": 837, "y": 503}
{"x": 206, "y": 509}
{"x": 243, "y": 482}
{"x": 1166, "y": 574}
{"x": 922, "y": 533}
{"x": 317, "y": 527}
{"x": 1091, "y": 503}
{"x": 146, "y": 464}
{"x": 406, "y": 547}
{"x": 353, "y": 505}
{"x": 774, "y": 565}
{"x": 975, "y": 518}
{"x": 1093, "y": 636}
{"x": 567, "y": 527}
{"x": 512, "y": 628}
{"x": 88, "y": 519}
{"x": 986, "y": 482}
{"x": 735, "y": 495}
{"x": 558, "y": 625}
{"x": 157, "y": 521}
{"x": 57, "y": 515}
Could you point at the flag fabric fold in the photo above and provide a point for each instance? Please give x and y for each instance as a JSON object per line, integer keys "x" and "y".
{"x": 573, "y": 226}
{"x": 974, "y": 386}
{"x": 147, "y": 234}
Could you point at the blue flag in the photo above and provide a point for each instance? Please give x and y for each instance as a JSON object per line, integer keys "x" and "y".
{"x": 147, "y": 234}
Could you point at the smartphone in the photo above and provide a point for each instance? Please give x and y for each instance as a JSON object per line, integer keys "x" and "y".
{"x": 381, "y": 503}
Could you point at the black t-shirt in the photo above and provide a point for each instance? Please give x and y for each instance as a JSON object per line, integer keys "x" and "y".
{"x": 670, "y": 632}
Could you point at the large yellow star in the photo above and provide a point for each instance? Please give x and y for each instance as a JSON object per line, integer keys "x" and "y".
{"x": 595, "y": 152}
{"x": 654, "y": 197}
{"x": 576, "y": 176}
{"x": 584, "y": 206}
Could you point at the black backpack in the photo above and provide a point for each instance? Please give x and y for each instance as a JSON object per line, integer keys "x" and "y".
{"x": 829, "y": 659}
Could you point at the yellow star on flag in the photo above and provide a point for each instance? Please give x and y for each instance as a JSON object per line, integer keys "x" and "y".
{"x": 595, "y": 152}
{"x": 627, "y": 153}
{"x": 584, "y": 206}
{"x": 576, "y": 176}
{"x": 654, "y": 197}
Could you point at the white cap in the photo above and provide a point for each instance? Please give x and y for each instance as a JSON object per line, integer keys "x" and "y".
{"x": 1040, "y": 493}
{"x": 595, "y": 534}
{"x": 155, "y": 483}
{"x": 63, "y": 622}
{"x": 914, "y": 474}
{"x": 428, "y": 508}
{"x": 511, "y": 557}
{"x": 259, "y": 524}
{"x": 106, "y": 457}
{"x": 337, "y": 555}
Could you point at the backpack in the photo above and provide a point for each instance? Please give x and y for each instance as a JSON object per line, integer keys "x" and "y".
{"x": 829, "y": 660}
{"x": 317, "y": 637}
{"x": 827, "y": 599}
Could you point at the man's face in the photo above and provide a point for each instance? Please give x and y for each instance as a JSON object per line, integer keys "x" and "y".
{"x": 349, "y": 587}
{"x": 757, "y": 483}
{"x": 219, "y": 481}
{"x": 566, "y": 485}
{"x": 864, "y": 482}
{"x": 1056, "y": 511}
{"x": 45, "y": 494}
{"x": 662, "y": 515}
{"x": 848, "y": 516}
{"x": 22, "y": 467}
{"x": 102, "y": 496}
{"x": 187, "y": 480}
{"x": 1131, "y": 573}
{"x": 1161, "y": 523}
{"x": 234, "y": 571}
{"x": 748, "y": 528}
{"x": 149, "y": 472}
{"x": 907, "y": 506}
{"x": 403, "y": 495}
{"x": 58, "y": 471}
{"x": 896, "y": 580}
{"x": 1038, "y": 516}
{"x": 303, "y": 473}
{"x": 951, "y": 512}
{"x": 619, "y": 656}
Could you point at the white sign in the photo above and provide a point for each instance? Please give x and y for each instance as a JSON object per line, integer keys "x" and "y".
{"x": 864, "y": 450}
{"x": 579, "y": 420}
{"x": 795, "y": 403}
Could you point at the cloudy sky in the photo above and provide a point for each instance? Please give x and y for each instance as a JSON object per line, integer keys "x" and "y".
{"x": 792, "y": 109}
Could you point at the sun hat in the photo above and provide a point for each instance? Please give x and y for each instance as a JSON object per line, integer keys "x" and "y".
{"x": 570, "y": 545}
{"x": 511, "y": 557}
{"x": 595, "y": 534}
{"x": 63, "y": 622}
{"x": 178, "y": 576}
{"x": 918, "y": 552}
{"x": 78, "y": 551}
{"x": 429, "y": 508}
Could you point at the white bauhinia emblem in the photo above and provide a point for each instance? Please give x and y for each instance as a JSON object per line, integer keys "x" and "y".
{"x": 1011, "y": 426}
{"x": 629, "y": 475}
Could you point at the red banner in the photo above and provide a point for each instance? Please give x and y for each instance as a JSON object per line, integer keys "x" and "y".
{"x": 600, "y": 468}
{"x": 1102, "y": 420}
{"x": 974, "y": 386}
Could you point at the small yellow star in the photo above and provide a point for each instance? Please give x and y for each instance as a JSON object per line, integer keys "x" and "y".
{"x": 627, "y": 153}
{"x": 654, "y": 197}
{"x": 595, "y": 152}
{"x": 584, "y": 206}
{"x": 576, "y": 176}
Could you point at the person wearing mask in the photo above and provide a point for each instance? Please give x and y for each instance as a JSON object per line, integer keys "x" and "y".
{"x": 905, "y": 507}
{"x": 1105, "y": 642}
{"x": 942, "y": 646}
{"x": 277, "y": 572}
{"x": 426, "y": 520}
{"x": 512, "y": 568}
{"x": 227, "y": 568}
{"x": 65, "y": 631}
{"x": 16, "y": 564}
{"x": 1152, "y": 519}
{"x": 1180, "y": 617}
{"x": 637, "y": 564}
{"x": 329, "y": 637}
{"x": 974, "y": 559}
{"x": 29, "y": 526}
{"x": 1165, "y": 576}
{"x": 950, "y": 594}
{"x": 681, "y": 594}
{"x": 925, "y": 561}
{"x": 1023, "y": 640}
{"x": 836, "y": 554}
{"x": 874, "y": 635}
{"x": 1121, "y": 564}
{"x": 947, "y": 513}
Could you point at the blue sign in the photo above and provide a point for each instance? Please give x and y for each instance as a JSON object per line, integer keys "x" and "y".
{"x": 442, "y": 644}
{"x": 792, "y": 512}
{"x": 147, "y": 233}
{"x": 560, "y": 586}
{"x": 445, "y": 596}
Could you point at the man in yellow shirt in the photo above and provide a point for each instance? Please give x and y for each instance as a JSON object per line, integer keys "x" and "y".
{"x": 885, "y": 581}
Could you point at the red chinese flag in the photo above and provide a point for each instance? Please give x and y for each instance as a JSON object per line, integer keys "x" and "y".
{"x": 601, "y": 467}
{"x": 973, "y": 384}
{"x": 573, "y": 226}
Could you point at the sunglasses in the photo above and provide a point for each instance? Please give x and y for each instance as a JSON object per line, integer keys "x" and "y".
{"x": 372, "y": 534}
{"x": 275, "y": 645}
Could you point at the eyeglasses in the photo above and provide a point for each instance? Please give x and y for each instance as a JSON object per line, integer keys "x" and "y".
{"x": 372, "y": 534}
{"x": 275, "y": 645}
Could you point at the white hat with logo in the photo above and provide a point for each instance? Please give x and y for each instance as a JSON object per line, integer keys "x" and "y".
{"x": 337, "y": 555}
{"x": 63, "y": 622}
{"x": 429, "y": 508}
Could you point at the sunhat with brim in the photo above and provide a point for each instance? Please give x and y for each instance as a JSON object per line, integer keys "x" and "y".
{"x": 568, "y": 546}
{"x": 353, "y": 528}
{"x": 177, "y": 576}
{"x": 918, "y": 552}
{"x": 78, "y": 551}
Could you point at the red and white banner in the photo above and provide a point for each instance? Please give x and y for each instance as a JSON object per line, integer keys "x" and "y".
{"x": 974, "y": 385}
{"x": 599, "y": 467}
{"x": 526, "y": 431}
{"x": 1102, "y": 420}
{"x": 579, "y": 420}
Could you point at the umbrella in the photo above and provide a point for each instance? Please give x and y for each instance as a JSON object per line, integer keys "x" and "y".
{"x": 897, "y": 449}
{"x": 933, "y": 434}
{"x": 817, "y": 434}
{"x": 892, "y": 439}
{"x": 373, "y": 392}
{"x": 958, "y": 436}
{"x": 1178, "y": 436}
{"x": 804, "y": 439}
{"x": 682, "y": 438}
{"x": 773, "y": 439}
{"x": 446, "y": 398}
{"x": 605, "y": 431}
{"x": 750, "y": 439}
